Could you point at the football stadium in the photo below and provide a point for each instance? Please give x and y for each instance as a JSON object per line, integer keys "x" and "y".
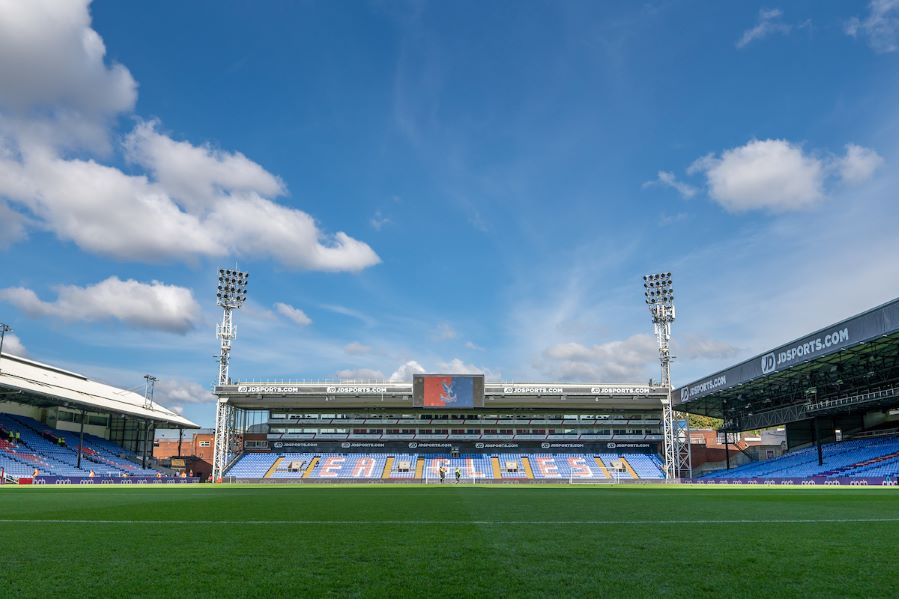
{"x": 535, "y": 299}
{"x": 507, "y": 488}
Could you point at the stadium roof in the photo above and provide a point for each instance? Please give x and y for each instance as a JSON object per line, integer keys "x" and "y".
{"x": 850, "y": 365}
{"x": 30, "y": 382}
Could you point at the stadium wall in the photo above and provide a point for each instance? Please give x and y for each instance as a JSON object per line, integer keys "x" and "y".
{"x": 100, "y": 431}
{"x": 18, "y": 409}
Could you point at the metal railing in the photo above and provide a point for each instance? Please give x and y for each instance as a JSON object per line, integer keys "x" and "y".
{"x": 851, "y": 400}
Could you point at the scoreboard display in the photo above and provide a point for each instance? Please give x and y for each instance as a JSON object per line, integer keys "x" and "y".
{"x": 448, "y": 391}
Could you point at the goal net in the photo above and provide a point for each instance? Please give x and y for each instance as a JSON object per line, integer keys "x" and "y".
{"x": 431, "y": 478}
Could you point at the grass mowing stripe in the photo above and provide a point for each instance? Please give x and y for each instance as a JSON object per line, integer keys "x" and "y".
{"x": 453, "y": 522}
{"x": 452, "y": 542}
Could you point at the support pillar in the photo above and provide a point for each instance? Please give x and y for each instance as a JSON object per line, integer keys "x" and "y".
{"x": 818, "y": 442}
{"x": 727, "y": 448}
{"x": 143, "y": 460}
{"x": 81, "y": 440}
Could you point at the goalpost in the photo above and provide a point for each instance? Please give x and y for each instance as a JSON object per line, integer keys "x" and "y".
{"x": 617, "y": 468}
{"x": 434, "y": 479}
{"x": 583, "y": 480}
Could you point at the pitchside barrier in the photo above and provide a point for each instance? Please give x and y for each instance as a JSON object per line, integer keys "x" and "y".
{"x": 845, "y": 481}
{"x": 131, "y": 480}
{"x": 449, "y": 481}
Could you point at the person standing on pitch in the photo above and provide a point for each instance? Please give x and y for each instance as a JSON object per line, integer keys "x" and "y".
{"x": 458, "y": 475}
{"x": 442, "y": 472}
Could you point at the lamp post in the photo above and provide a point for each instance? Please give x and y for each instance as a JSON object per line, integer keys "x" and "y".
{"x": 230, "y": 295}
{"x": 659, "y": 297}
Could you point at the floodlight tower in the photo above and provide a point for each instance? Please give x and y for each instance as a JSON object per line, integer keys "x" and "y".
{"x": 230, "y": 295}
{"x": 4, "y": 329}
{"x": 659, "y": 296}
{"x": 148, "y": 391}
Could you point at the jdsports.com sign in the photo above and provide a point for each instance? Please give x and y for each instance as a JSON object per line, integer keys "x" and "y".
{"x": 772, "y": 361}
{"x": 872, "y": 324}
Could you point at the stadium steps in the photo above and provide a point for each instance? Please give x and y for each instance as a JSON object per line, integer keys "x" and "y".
{"x": 270, "y": 471}
{"x": 420, "y": 467}
{"x": 526, "y": 464}
{"x": 629, "y": 468}
{"x": 602, "y": 467}
{"x": 388, "y": 466}
{"x": 494, "y": 464}
{"x": 312, "y": 464}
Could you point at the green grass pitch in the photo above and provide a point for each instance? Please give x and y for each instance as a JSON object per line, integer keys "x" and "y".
{"x": 450, "y": 541}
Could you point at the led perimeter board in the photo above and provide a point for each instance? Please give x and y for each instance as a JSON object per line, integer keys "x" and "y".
{"x": 448, "y": 391}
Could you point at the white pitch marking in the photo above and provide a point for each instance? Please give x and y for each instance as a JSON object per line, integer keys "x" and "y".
{"x": 451, "y": 522}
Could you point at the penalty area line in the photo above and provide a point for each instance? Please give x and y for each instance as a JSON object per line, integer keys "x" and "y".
{"x": 453, "y": 522}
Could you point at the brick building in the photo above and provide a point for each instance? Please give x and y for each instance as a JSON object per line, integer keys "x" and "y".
{"x": 195, "y": 455}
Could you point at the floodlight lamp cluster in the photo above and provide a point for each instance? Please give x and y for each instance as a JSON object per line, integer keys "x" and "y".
{"x": 232, "y": 287}
{"x": 658, "y": 289}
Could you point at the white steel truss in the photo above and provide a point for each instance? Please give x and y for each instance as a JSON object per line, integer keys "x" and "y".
{"x": 232, "y": 292}
{"x": 676, "y": 431}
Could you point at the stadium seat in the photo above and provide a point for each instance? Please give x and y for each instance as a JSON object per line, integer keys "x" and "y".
{"x": 877, "y": 456}
{"x": 34, "y": 449}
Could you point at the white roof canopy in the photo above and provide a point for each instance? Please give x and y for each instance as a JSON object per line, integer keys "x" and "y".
{"x": 61, "y": 387}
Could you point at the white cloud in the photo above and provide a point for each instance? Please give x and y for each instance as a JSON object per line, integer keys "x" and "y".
{"x": 668, "y": 179}
{"x": 356, "y": 348}
{"x": 404, "y": 373}
{"x": 352, "y": 313}
{"x": 197, "y": 176}
{"x": 770, "y": 174}
{"x": 858, "y": 164}
{"x": 259, "y": 227}
{"x": 444, "y": 332}
{"x": 360, "y": 374}
{"x": 105, "y": 211}
{"x": 694, "y": 347}
{"x": 13, "y": 345}
{"x": 630, "y": 360}
{"x": 151, "y": 306}
{"x": 295, "y": 315}
{"x": 880, "y": 27}
{"x": 191, "y": 201}
{"x": 12, "y": 226}
{"x": 379, "y": 221}
{"x": 56, "y": 84}
{"x": 175, "y": 394}
{"x": 666, "y": 219}
{"x": 779, "y": 176}
{"x": 457, "y": 366}
{"x": 473, "y": 346}
{"x": 769, "y": 23}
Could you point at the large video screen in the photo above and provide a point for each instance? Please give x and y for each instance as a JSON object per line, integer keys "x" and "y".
{"x": 448, "y": 391}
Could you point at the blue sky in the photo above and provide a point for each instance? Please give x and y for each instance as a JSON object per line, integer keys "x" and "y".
{"x": 440, "y": 186}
